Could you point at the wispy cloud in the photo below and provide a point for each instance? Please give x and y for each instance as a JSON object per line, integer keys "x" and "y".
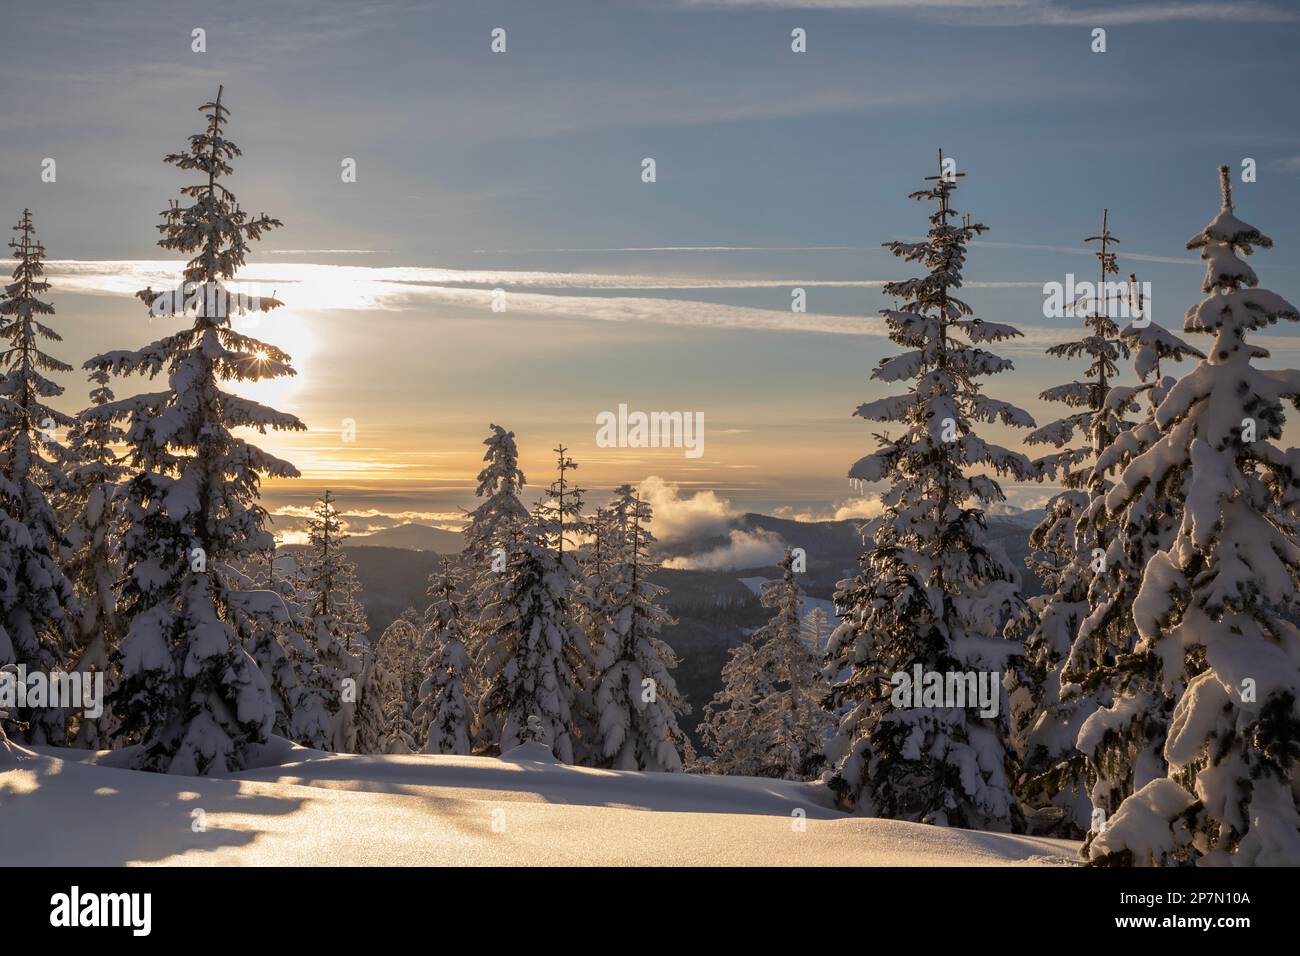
{"x": 684, "y": 249}
{"x": 1011, "y": 13}
{"x": 316, "y": 287}
{"x": 1082, "y": 251}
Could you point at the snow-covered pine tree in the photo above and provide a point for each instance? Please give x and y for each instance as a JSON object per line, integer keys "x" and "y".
{"x": 94, "y": 521}
{"x": 933, "y": 591}
{"x": 565, "y": 523}
{"x": 38, "y": 608}
{"x": 189, "y": 688}
{"x": 9, "y": 753}
{"x": 306, "y": 718}
{"x": 775, "y": 689}
{"x": 496, "y": 523}
{"x": 444, "y": 707}
{"x": 407, "y": 657}
{"x": 265, "y": 629}
{"x": 597, "y": 560}
{"x": 400, "y": 736}
{"x": 814, "y": 630}
{"x": 636, "y": 698}
{"x": 1067, "y": 553}
{"x": 327, "y": 591}
{"x": 490, "y": 535}
{"x": 1122, "y": 739}
{"x": 377, "y": 719}
{"x": 567, "y": 532}
{"x": 530, "y": 657}
{"x": 1213, "y": 606}
{"x": 731, "y": 747}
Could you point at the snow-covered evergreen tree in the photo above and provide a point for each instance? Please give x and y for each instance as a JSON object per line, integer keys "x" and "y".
{"x": 564, "y": 522}
{"x": 636, "y": 698}
{"x": 189, "y": 687}
{"x": 38, "y": 609}
{"x": 814, "y": 630}
{"x": 568, "y": 533}
{"x": 327, "y": 590}
{"x": 1212, "y": 609}
{"x": 9, "y": 753}
{"x": 444, "y": 707}
{"x": 774, "y": 685}
{"x": 498, "y": 520}
{"x": 1068, "y": 549}
{"x": 933, "y": 591}
{"x": 379, "y": 722}
{"x": 94, "y": 518}
{"x": 400, "y": 735}
{"x": 531, "y": 656}
{"x": 267, "y": 626}
{"x": 493, "y": 530}
{"x": 1123, "y": 739}
{"x": 731, "y": 748}
{"x": 597, "y": 559}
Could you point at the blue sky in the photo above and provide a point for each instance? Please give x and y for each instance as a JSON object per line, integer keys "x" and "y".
{"x": 772, "y": 166}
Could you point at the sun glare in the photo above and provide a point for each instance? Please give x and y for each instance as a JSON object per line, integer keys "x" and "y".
{"x": 287, "y": 331}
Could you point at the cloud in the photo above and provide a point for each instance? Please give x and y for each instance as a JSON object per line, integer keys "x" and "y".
{"x": 1081, "y": 251}
{"x": 318, "y": 287}
{"x": 290, "y": 522}
{"x": 679, "y": 519}
{"x": 332, "y": 252}
{"x": 1027, "y": 13}
{"x": 744, "y": 549}
{"x": 868, "y": 506}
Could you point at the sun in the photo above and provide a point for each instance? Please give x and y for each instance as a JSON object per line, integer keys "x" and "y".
{"x": 289, "y": 332}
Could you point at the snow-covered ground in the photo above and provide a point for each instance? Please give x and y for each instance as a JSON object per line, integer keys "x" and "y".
{"x": 310, "y": 808}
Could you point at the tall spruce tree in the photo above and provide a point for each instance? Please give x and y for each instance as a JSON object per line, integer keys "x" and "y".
{"x": 1213, "y": 605}
{"x": 38, "y": 608}
{"x": 288, "y": 661}
{"x": 1069, "y": 550}
{"x": 636, "y": 699}
{"x": 566, "y": 531}
{"x": 933, "y": 591}
{"x": 494, "y": 523}
{"x": 731, "y": 748}
{"x": 380, "y": 722}
{"x": 564, "y": 522}
{"x": 1122, "y": 739}
{"x": 774, "y": 686}
{"x": 327, "y": 590}
{"x": 531, "y": 656}
{"x": 491, "y": 534}
{"x": 94, "y": 521}
{"x": 189, "y": 688}
{"x": 444, "y": 707}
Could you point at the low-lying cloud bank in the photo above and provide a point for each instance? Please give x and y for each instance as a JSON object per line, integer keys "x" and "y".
{"x": 291, "y": 522}
{"x": 689, "y": 527}
{"x": 744, "y": 549}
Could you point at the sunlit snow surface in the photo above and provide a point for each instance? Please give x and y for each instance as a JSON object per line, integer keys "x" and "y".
{"x": 60, "y": 807}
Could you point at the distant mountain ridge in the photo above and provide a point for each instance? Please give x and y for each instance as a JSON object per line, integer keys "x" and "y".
{"x": 414, "y": 537}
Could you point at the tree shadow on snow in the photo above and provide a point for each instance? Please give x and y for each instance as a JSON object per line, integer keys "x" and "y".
{"x": 70, "y": 813}
{"x": 419, "y": 775}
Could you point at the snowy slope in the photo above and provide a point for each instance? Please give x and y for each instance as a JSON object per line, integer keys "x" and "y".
{"x": 59, "y": 807}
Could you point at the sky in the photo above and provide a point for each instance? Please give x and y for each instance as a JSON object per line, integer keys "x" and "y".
{"x": 522, "y": 171}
